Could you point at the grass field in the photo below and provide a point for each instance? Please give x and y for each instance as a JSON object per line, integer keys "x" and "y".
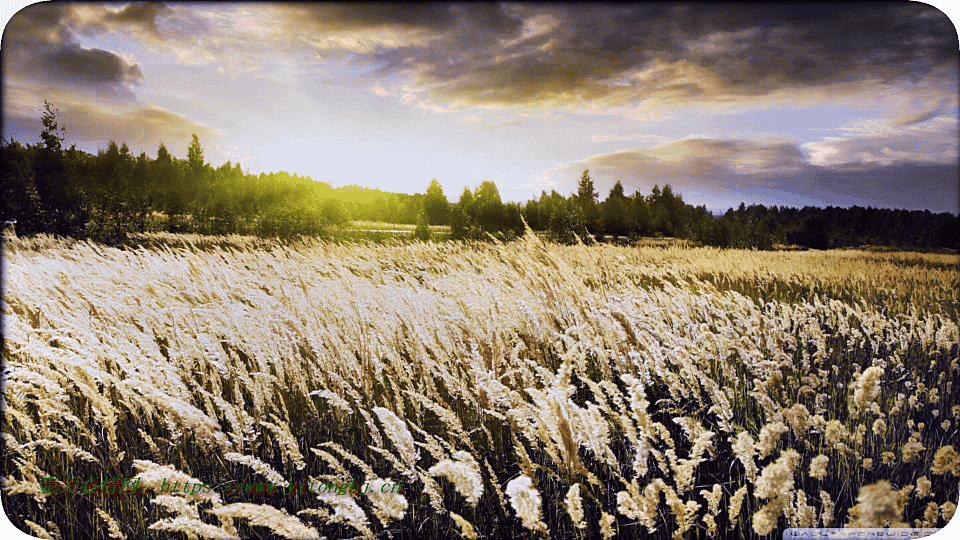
{"x": 514, "y": 390}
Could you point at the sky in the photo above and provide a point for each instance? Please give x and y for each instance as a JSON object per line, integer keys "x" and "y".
{"x": 806, "y": 105}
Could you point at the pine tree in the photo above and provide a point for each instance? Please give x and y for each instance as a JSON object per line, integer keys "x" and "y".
{"x": 586, "y": 199}
{"x": 61, "y": 201}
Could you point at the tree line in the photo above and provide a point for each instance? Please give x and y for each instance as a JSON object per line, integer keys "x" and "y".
{"x": 663, "y": 213}
{"x": 47, "y": 188}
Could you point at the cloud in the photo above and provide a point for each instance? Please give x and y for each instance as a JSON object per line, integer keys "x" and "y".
{"x": 331, "y": 29}
{"x": 706, "y": 171}
{"x": 947, "y": 106}
{"x": 513, "y": 124}
{"x": 41, "y": 46}
{"x": 60, "y": 22}
{"x": 498, "y": 55}
{"x": 670, "y": 54}
{"x": 920, "y": 138}
{"x": 737, "y": 156}
{"x": 686, "y": 164}
{"x": 471, "y": 119}
{"x": 140, "y": 19}
{"x": 644, "y": 137}
{"x": 539, "y": 54}
{"x": 38, "y": 23}
{"x": 87, "y": 67}
{"x": 436, "y": 18}
{"x": 916, "y": 118}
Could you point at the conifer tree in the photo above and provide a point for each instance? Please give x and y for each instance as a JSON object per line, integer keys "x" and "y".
{"x": 586, "y": 199}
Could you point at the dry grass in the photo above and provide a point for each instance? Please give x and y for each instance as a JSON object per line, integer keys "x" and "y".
{"x": 515, "y": 389}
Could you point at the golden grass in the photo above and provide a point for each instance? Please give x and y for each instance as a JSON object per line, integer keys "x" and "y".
{"x": 513, "y": 389}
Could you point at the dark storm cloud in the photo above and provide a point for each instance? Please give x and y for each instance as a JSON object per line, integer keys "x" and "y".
{"x": 435, "y": 17}
{"x": 84, "y": 67}
{"x": 40, "y": 46}
{"x": 38, "y": 23}
{"x": 530, "y": 54}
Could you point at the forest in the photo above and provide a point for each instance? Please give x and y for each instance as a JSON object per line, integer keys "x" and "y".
{"x": 47, "y": 188}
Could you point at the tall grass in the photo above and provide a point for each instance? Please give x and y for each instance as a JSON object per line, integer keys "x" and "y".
{"x": 513, "y": 389}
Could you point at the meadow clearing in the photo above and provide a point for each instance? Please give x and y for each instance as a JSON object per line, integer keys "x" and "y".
{"x": 520, "y": 390}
